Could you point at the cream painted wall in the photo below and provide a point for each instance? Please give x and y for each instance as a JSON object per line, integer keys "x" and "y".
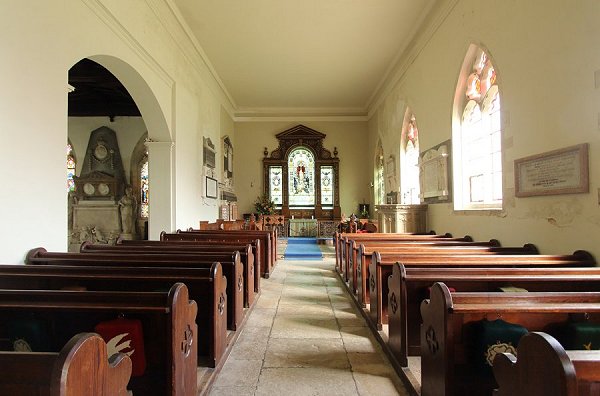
{"x": 547, "y": 59}
{"x": 153, "y": 59}
{"x": 350, "y": 138}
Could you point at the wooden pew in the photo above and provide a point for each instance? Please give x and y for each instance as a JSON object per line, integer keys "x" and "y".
{"x": 255, "y": 247}
{"x": 408, "y": 286}
{"x": 545, "y": 368}
{"x": 361, "y": 261}
{"x": 168, "y": 316}
{"x": 343, "y": 238}
{"x": 82, "y": 367}
{"x": 372, "y": 292}
{"x": 380, "y": 270}
{"x": 339, "y": 236}
{"x": 232, "y": 270}
{"x": 445, "y": 366}
{"x": 270, "y": 242}
{"x": 246, "y": 257}
{"x": 352, "y": 246}
{"x": 218, "y": 237}
{"x": 206, "y": 286}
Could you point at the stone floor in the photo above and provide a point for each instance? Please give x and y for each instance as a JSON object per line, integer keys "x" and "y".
{"x": 306, "y": 337}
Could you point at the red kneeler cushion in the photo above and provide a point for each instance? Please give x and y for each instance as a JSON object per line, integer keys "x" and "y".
{"x": 125, "y": 335}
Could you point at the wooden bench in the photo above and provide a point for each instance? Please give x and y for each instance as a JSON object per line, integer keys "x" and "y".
{"x": 445, "y": 365}
{"x": 545, "y": 368}
{"x": 341, "y": 242}
{"x": 371, "y": 288}
{"x": 206, "y": 286}
{"x": 362, "y": 259}
{"x": 380, "y": 269}
{"x": 255, "y": 247}
{"x": 352, "y": 246}
{"x": 245, "y": 252}
{"x": 269, "y": 241}
{"x": 217, "y": 237}
{"x": 82, "y": 367}
{"x": 232, "y": 270}
{"x": 168, "y": 320}
{"x": 408, "y": 286}
{"x": 339, "y": 236}
{"x": 268, "y": 237}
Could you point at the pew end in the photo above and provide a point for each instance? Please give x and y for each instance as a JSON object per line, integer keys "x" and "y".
{"x": 542, "y": 368}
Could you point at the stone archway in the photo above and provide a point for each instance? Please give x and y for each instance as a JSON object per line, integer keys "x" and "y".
{"x": 159, "y": 144}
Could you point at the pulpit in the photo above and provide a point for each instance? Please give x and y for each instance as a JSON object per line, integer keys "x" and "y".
{"x": 402, "y": 218}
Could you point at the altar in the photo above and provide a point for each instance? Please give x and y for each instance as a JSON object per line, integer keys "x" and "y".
{"x": 303, "y": 227}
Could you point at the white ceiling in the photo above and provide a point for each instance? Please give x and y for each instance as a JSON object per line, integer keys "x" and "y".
{"x": 303, "y": 56}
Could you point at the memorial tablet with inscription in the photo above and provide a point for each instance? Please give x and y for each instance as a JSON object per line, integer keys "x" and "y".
{"x": 563, "y": 171}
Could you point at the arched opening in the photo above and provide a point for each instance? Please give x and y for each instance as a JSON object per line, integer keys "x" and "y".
{"x": 106, "y": 126}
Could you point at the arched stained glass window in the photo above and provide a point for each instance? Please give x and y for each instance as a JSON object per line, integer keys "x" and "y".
{"x": 70, "y": 168}
{"x": 478, "y": 152}
{"x": 144, "y": 199}
{"x": 301, "y": 180}
{"x": 379, "y": 177}
{"x": 410, "y": 162}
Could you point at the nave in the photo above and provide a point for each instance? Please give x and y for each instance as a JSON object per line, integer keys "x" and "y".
{"x": 305, "y": 336}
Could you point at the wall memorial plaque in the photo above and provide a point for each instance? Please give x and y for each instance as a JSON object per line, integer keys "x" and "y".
{"x": 563, "y": 171}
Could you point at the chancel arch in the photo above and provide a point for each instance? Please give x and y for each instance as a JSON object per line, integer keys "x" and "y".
{"x": 301, "y": 176}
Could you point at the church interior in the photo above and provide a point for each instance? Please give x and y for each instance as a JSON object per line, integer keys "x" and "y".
{"x": 324, "y": 153}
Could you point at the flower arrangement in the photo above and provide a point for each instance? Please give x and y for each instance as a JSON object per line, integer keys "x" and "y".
{"x": 264, "y": 205}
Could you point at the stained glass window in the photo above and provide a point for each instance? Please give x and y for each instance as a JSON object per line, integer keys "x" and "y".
{"x": 301, "y": 179}
{"x": 327, "y": 181}
{"x": 479, "y": 152}
{"x": 410, "y": 162}
{"x": 379, "y": 177}
{"x": 70, "y": 168}
{"x": 276, "y": 185}
{"x": 144, "y": 199}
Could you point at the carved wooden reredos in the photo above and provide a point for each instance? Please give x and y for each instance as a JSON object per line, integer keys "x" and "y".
{"x": 302, "y": 136}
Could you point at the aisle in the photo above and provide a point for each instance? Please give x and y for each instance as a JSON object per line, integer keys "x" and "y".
{"x": 305, "y": 337}
{"x": 302, "y": 249}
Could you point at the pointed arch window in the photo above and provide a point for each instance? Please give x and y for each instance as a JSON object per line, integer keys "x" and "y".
{"x": 379, "y": 177}
{"x": 410, "y": 161}
{"x": 144, "y": 188}
{"x": 71, "y": 163}
{"x": 478, "y": 136}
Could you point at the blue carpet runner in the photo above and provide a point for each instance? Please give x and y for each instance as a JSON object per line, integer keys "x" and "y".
{"x": 302, "y": 249}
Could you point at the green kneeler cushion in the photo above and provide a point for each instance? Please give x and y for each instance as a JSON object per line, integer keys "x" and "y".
{"x": 28, "y": 334}
{"x": 580, "y": 335}
{"x": 488, "y": 338}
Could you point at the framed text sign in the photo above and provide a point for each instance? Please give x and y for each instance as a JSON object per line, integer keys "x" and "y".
{"x": 563, "y": 171}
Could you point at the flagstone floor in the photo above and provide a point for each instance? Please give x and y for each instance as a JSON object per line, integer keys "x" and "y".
{"x": 306, "y": 337}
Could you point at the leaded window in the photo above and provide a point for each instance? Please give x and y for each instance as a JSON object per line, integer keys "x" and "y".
{"x": 276, "y": 185}
{"x": 144, "y": 199}
{"x": 410, "y": 163}
{"x": 327, "y": 181}
{"x": 70, "y": 168}
{"x": 301, "y": 179}
{"x": 478, "y": 152}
